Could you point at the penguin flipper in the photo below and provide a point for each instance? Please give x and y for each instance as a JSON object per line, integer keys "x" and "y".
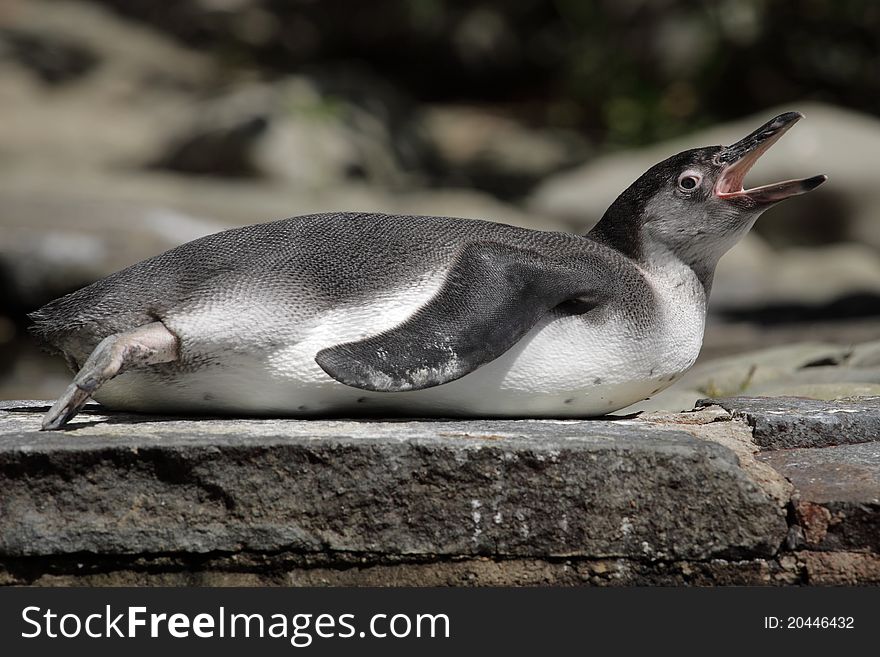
{"x": 492, "y": 296}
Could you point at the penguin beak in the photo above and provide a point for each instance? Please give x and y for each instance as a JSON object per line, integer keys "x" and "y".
{"x": 737, "y": 159}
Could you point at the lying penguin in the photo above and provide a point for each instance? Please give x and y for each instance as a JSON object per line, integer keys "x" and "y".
{"x": 355, "y": 313}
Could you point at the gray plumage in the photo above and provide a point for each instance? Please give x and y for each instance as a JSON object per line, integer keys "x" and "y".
{"x": 306, "y": 265}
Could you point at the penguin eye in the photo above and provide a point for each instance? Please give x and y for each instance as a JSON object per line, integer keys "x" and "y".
{"x": 689, "y": 181}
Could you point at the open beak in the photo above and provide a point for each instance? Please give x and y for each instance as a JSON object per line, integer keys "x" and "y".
{"x": 738, "y": 158}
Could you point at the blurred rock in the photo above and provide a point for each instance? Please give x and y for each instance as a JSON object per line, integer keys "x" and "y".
{"x": 437, "y": 49}
{"x": 754, "y": 276}
{"x": 143, "y": 100}
{"x": 866, "y": 355}
{"x": 726, "y": 376}
{"x": 812, "y": 370}
{"x": 480, "y": 148}
{"x": 115, "y": 46}
{"x": 221, "y": 150}
{"x": 27, "y": 369}
{"x": 327, "y": 128}
{"x": 823, "y": 382}
{"x": 822, "y": 391}
{"x": 726, "y": 338}
{"x": 288, "y": 130}
{"x": 53, "y": 58}
{"x": 110, "y": 114}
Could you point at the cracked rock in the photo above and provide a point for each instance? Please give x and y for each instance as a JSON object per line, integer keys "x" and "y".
{"x": 837, "y": 494}
{"x": 790, "y": 422}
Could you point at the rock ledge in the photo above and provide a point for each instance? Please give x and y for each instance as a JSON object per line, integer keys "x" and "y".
{"x": 677, "y": 498}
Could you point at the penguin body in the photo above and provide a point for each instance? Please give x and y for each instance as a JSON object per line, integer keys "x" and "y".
{"x": 354, "y": 313}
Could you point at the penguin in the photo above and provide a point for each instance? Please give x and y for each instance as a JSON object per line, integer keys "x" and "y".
{"x": 373, "y": 314}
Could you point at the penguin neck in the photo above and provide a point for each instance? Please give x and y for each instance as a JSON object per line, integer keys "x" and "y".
{"x": 621, "y": 229}
{"x": 659, "y": 262}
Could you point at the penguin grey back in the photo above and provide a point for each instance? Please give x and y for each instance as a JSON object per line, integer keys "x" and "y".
{"x": 307, "y": 264}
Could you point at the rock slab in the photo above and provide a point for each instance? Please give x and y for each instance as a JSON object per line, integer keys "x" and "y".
{"x": 836, "y": 501}
{"x": 129, "y": 485}
{"x": 796, "y": 422}
{"x": 662, "y": 498}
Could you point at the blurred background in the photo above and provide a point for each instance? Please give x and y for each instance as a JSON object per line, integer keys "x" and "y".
{"x": 130, "y": 126}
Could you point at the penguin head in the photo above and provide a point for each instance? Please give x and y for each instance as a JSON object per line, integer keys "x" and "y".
{"x": 693, "y": 205}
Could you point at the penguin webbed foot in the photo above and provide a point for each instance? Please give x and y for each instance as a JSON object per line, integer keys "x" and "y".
{"x": 63, "y": 410}
{"x": 145, "y": 345}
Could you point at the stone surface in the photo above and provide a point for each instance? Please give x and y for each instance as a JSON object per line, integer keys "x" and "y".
{"x": 287, "y": 570}
{"x": 659, "y": 499}
{"x": 788, "y": 422}
{"x": 840, "y": 568}
{"x": 837, "y": 494}
{"x": 715, "y": 424}
{"x": 128, "y": 485}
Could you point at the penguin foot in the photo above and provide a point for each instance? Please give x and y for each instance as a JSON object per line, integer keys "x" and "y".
{"x": 68, "y": 405}
{"x": 145, "y": 345}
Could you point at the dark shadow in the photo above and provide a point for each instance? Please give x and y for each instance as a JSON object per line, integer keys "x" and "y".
{"x": 128, "y": 417}
{"x": 628, "y": 416}
{"x": 852, "y": 306}
{"x": 115, "y": 417}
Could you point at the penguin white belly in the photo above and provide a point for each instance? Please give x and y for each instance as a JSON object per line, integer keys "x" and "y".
{"x": 565, "y": 366}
